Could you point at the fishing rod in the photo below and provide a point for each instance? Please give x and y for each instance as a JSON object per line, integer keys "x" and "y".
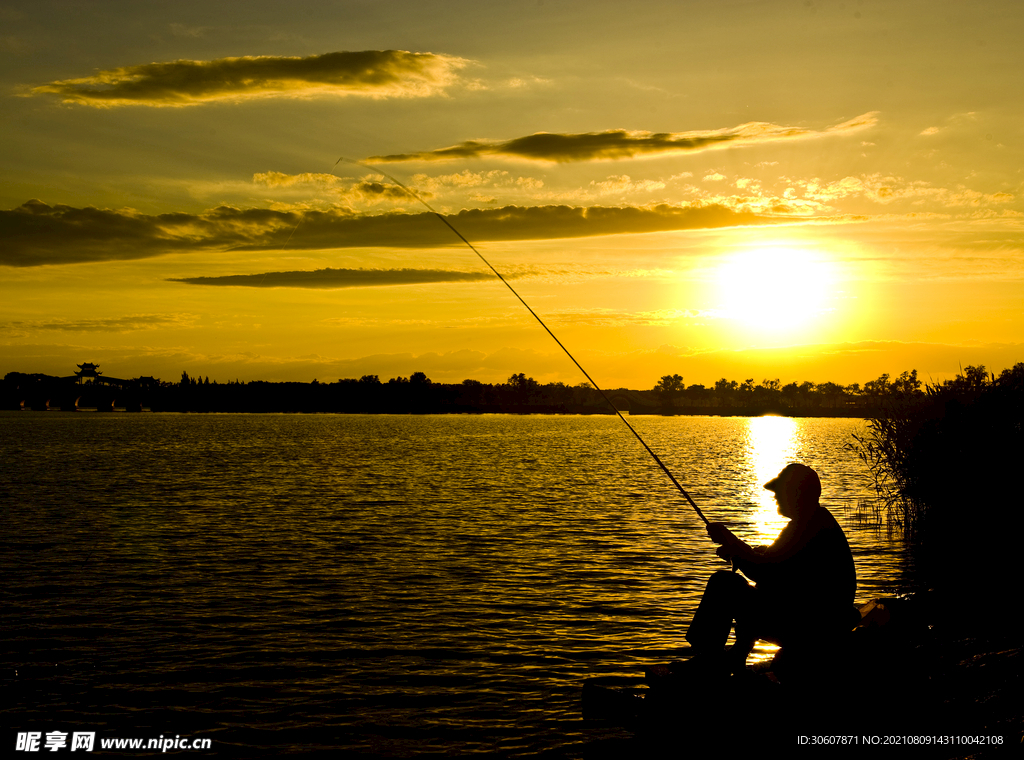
{"x": 497, "y": 274}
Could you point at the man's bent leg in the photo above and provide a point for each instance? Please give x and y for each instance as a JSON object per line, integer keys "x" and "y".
{"x": 727, "y": 597}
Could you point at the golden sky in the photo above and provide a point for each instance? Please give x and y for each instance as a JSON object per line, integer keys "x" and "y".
{"x": 803, "y": 190}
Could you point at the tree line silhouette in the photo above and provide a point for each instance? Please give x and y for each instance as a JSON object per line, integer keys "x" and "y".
{"x": 519, "y": 394}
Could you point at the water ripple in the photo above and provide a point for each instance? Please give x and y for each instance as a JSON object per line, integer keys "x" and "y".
{"x": 385, "y": 585}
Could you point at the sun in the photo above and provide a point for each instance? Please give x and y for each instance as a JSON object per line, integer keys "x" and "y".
{"x": 775, "y": 288}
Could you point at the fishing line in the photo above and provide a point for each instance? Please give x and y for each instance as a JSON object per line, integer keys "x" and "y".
{"x": 497, "y": 274}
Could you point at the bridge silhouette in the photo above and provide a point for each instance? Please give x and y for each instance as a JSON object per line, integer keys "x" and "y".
{"x": 632, "y": 402}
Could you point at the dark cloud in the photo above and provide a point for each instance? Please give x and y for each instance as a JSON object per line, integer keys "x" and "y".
{"x": 330, "y": 279}
{"x": 370, "y": 191}
{"x": 619, "y": 143}
{"x": 547, "y": 222}
{"x": 368, "y": 73}
{"x": 36, "y": 233}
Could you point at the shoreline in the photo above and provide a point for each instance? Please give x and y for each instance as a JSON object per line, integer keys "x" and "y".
{"x": 518, "y": 411}
{"x": 913, "y": 680}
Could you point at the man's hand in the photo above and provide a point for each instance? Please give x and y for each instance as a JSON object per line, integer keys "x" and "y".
{"x": 720, "y": 534}
{"x": 730, "y": 544}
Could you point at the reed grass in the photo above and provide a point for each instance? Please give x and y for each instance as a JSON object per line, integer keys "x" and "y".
{"x": 947, "y": 465}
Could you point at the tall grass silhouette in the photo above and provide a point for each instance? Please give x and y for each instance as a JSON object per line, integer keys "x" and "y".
{"x": 947, "y": 468}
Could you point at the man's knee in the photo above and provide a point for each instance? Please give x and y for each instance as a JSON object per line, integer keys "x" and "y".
{"x": 725, "y": 582}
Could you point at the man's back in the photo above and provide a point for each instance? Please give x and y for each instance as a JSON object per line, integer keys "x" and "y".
{"x": 809, "y": 562}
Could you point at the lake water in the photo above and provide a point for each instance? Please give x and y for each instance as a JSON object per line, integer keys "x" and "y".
{"x": 385, "y": 586}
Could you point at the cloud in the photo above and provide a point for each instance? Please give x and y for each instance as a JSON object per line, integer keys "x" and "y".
{"x": 369, "y": 190}
{"x": 369, "y": 73}
{"x": 279, "y": 179}
{"x": 621, "y": 184}
{"x": 35, "y": 233}
{"x": 373, "y": 188}
{"x": 124, "y": 324}
{"x": 885, "y": 189}
{"x": 461, "y": 179}
{"x": 521, "y": 83}
{"x": 330, "y": 279}
{"x": 611, "y": 318}
{"x": 619, "y": 143}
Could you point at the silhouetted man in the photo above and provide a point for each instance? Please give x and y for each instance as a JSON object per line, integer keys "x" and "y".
{"x": 805, "y": 580}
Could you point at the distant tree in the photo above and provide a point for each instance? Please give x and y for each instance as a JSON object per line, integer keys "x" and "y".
{"x": 879, "y": 387}
{"x": 669, "y": 384}
{"x": 976, "y": 378}
{"x": 584, "y": 394}
{"x": 556, "y": 393}
{"x": 790, "y": 392}
{"x": 668, "y": 388}
{"x": 1012, "y": 378}
{"x": 831, "y": 393}
{"x": 697, "y": 395}
{"x": 522, "y": 387}
{"x": 725, "y": 386}
{"x": 472, "y": 391}
{"x": 419, "y": 378}
{"x": 908, "y": 386}
{"x": 768, "y": 391}
{"x": 369, "y": 380}
{"x": 521, "y": 382}
{"x": 725, "y": 390}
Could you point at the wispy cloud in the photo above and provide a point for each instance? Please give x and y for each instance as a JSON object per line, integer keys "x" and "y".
{"x": 369, "y": 73}
{"x": 35, "y": 233}
{"x": 369, "y": 190}
{"x": 884, "y": 189}
{"x": 612, "y": 318}
{"x": 619, "y": 143}
{"x": 130, "y": 323}
{"x": 279, "y": 179}
{"x": 622, "y": 184}
{"x": 331, "y": 279}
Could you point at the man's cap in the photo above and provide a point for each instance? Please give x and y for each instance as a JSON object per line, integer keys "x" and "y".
{"x": 798, "y": 476}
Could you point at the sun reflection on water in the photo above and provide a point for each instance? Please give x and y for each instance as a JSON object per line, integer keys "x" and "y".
{"x": 771, "y": 445}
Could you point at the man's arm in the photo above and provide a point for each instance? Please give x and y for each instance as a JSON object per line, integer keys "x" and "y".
{"x": 754, "y": 562}
{"x": 732, "y": 546}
